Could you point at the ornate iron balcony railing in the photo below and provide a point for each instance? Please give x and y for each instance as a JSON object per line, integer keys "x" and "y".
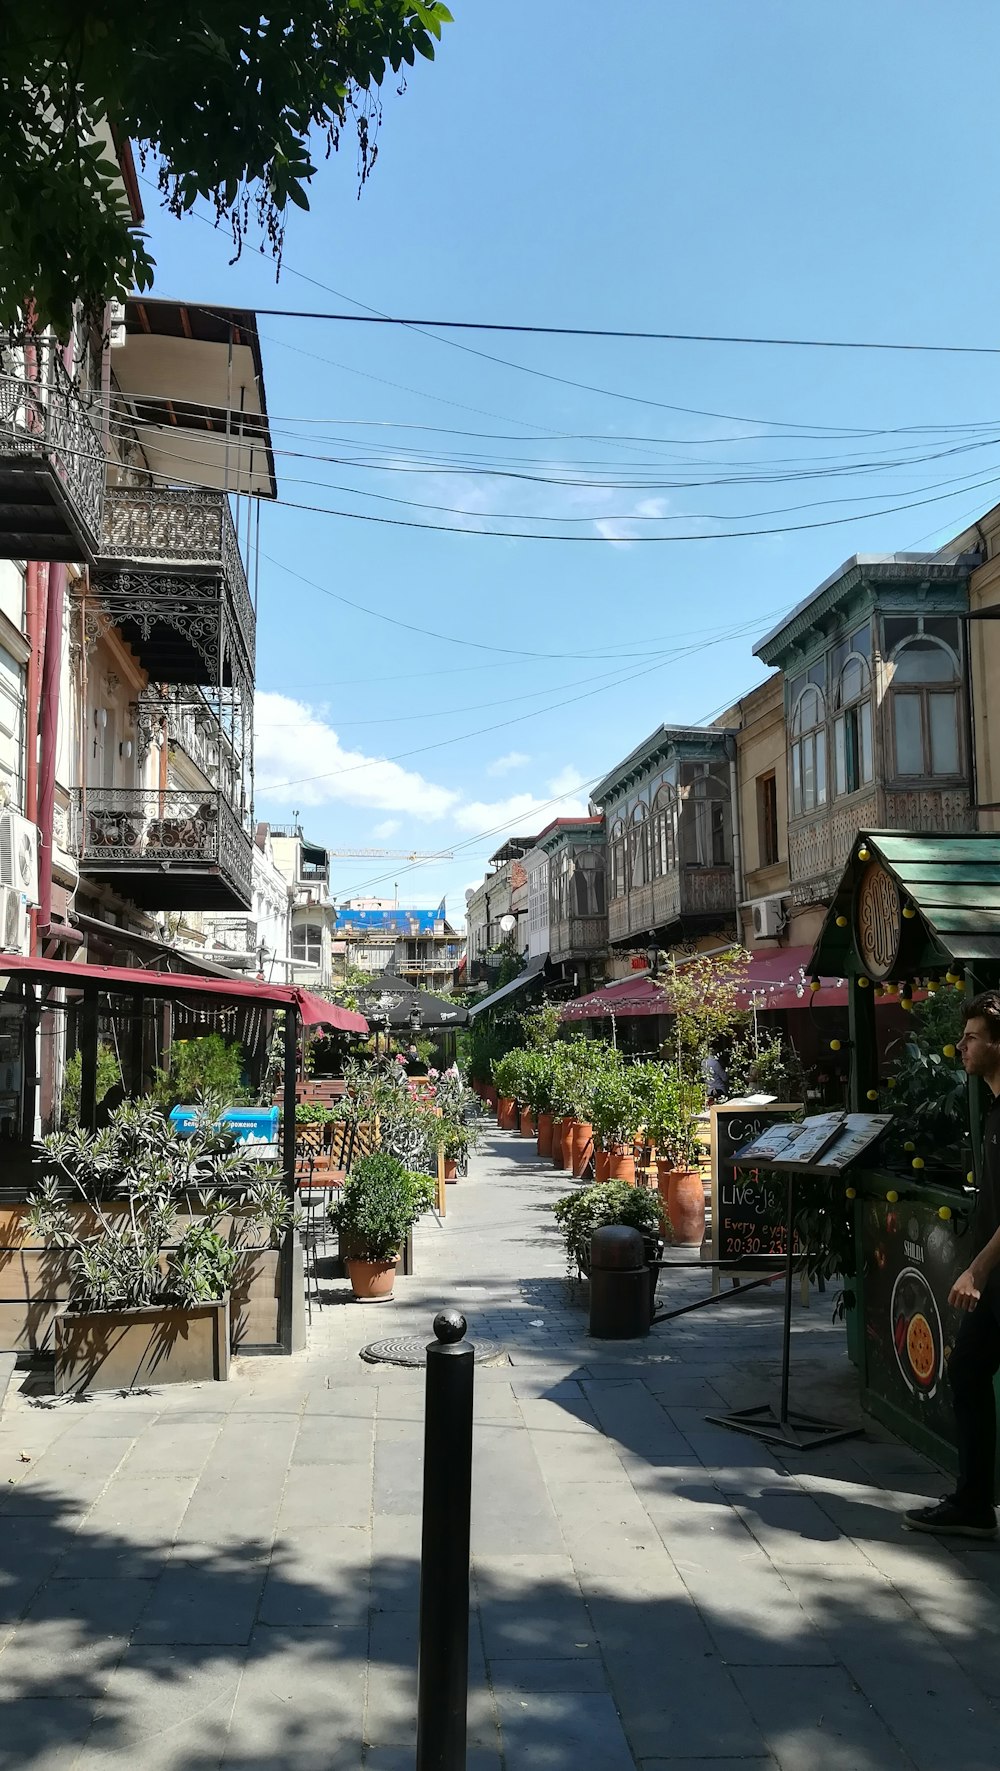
{"x": 166, "y": 849}
{"x": 170, "y": 575}
{"x": 51, "y": 457}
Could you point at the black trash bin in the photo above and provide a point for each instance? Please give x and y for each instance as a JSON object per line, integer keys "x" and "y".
{"x": 619, "y": 1285}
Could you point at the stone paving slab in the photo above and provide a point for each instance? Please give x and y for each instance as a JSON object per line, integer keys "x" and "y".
{"x": 227, "y": 1576}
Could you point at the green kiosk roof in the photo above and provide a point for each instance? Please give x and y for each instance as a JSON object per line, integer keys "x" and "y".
{"x": 939, "y": 905}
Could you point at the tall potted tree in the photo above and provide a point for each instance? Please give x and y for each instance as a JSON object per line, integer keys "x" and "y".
{"x": 615, "y": 1115}
{"x": 672, "y": 1125}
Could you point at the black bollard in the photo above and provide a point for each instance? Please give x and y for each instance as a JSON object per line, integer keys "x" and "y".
{"x": 443, "y": 1666}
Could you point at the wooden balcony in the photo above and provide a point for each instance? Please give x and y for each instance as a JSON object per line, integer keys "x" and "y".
{"x": 692, "y": 896}
{"x": 166, "y": 850}
{"x": 51, "y": 458}
{"x": 578, "y": 937}
{"x": 170, "y": 577}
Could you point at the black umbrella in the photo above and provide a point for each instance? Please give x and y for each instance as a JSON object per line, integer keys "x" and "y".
{"x": 391, "y": 1001}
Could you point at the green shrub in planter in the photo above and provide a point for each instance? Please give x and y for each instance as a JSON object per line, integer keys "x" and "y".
{"x": 378, "y": 1205}
{"x": 616, "y": 1109}
{"x": 587, "y": 1209}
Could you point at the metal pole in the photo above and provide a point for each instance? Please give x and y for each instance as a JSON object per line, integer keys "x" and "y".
{"x": 443, "y": 1666}
{"x": 789, "y": 1275}
{"x": 88, "y": 1058}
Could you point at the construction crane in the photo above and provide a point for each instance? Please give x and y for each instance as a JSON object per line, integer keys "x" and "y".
{"x": 389, "y": 855}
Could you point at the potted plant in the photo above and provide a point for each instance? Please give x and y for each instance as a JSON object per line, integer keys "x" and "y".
{"x": 458, "y": 1141}
{"x": 507, "y": 1076}
{"x": 615, "y": 1112}
{"x": 672, "y": 1124}
{"x": 588, "y": 1209}
{"x": 377, "y": 1207}
{"x": 147, "y": 1303}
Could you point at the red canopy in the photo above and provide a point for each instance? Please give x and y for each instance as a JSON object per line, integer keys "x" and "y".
{"x": 313, "y": 1010}
{"x": 774, "y": 980}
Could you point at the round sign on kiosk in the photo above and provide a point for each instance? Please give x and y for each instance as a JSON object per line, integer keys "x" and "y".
{"x": 878, "y": 920}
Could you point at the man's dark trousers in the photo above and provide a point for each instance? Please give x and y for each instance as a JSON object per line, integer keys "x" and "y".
{"x": 973, "y": 1364}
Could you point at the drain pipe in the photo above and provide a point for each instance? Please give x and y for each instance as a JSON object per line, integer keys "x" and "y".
{"x": 48, "y": 713}
{"x": 734, "y": 794}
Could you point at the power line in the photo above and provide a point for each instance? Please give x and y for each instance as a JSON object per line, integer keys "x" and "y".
{"x": 835, "y": 344}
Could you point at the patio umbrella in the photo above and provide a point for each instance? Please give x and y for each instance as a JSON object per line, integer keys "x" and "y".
{"x": 391, "y": 1001}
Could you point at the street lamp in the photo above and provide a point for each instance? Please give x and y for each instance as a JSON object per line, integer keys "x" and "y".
{"x": 653, "y": 957}
{"x": 415, "y": 1018}
{"x": 508, "y": 923}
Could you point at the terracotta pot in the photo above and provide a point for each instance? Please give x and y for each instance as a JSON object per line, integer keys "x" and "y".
{"x": 527, "y": 1123}
{"x": 450, "y": 1168}
{"x": 560, "y": 1142}
{"x": 602, "y": 1165}
{"x": 544, "y": 1134}
{"x": 506, "y": 1117}
{"x": 490, "y": 1096}
{"x": 582, "y": 1146}
{"x": 684, "y": 1193}
{"x": 372, "y": 1281}
{"x": 621, "y": 1163}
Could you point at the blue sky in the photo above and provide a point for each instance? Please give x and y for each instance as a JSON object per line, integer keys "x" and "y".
{"x": 774, "y": 168}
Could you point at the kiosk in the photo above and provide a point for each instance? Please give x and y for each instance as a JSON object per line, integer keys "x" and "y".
{"x": 912, "y": 911}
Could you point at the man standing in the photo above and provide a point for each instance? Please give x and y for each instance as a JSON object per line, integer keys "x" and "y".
{"x": 969, "y": 1512}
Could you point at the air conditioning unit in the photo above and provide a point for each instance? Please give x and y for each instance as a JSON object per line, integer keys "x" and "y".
{"x": 19, "y": 855}
{"x": 13, "y": 921}
{"x": 768, "y": 917}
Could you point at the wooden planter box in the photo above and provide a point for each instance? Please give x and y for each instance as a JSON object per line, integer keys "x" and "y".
{"x": 123, "y": 1349}
{"x": 255, "y": 1301}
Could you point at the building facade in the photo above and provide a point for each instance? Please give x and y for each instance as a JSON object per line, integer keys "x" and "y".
{"x": 672, "y": 862}
{"x": 874, "y": 682}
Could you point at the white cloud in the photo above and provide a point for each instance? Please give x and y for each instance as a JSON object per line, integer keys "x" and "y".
{"x": 523, "y": 813}
{"x": 514, "y": 759}
{"x": 621, "y": 530}
{"x": 294, "y": 745}
{"x": 301, "y": 762}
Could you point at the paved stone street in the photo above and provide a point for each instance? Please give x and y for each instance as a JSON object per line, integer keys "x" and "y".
{"x": 228, "y": 1575}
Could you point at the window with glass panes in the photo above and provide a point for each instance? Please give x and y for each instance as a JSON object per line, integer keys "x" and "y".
{"x": 853, "y": 759}
{"x": 807, "y": 749}
{"x": 925, "y": 695}
{"x": 307, "y": 942}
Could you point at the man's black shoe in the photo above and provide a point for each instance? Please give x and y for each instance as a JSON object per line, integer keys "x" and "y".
{"x": 949, "y": 1519}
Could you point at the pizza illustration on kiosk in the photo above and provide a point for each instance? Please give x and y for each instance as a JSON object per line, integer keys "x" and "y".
{"x": 916, "y": 1332}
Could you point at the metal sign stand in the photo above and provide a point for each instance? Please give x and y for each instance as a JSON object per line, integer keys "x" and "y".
{"x": 789, "y": 1428}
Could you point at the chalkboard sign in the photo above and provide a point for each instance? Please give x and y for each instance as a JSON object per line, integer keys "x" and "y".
{"x": 746, "y": 1227}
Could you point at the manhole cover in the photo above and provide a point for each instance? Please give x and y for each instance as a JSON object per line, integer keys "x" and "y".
{"x": 410, "y": 1349}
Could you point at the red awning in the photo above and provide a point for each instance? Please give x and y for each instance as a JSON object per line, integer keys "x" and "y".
{"x": 774, "y": 980}
{"x": 313, "y": 1010}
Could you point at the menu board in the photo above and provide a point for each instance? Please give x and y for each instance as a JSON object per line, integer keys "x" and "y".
{"x": 747, "y": 1222}
{"x": 912, "y": 1260}
{"x": 824, "y": 1144}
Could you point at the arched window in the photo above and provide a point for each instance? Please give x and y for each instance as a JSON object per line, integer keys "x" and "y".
{"x": 664, "y": 843}
{"x": 925, "y": 708}
{"x": 807, "y": 752}
{"x": 852, "y": 727}
{"x": 619, "y": 867}
{"x": 640, "y": 847}
{"x": 706, "y": 819}
{"x": 307, "y": 942}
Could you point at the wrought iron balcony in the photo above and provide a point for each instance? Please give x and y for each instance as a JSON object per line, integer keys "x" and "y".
{"x": 167, "y": 849}
{"x": 170, "y": 576}
{"x": 51, "y": 457}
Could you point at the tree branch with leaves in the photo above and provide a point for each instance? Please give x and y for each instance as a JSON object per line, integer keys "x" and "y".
{"x": 231, "y": 105}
